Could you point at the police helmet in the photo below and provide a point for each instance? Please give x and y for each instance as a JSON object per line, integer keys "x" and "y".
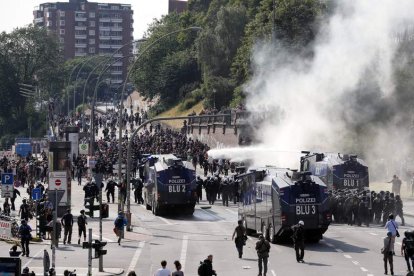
{"x": 301, "y": 222}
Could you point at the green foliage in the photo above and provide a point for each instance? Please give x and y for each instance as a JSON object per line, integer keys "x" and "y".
{"x": 219, "y": 57}
{"x": 31, "y": 56}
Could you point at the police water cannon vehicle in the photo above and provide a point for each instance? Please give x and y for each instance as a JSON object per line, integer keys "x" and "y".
{"x": 273, "y": 199}
{"x": 337, "y": 171}
{"x": 169, "y": 185}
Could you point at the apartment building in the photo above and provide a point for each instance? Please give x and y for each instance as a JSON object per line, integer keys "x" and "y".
{"x": 177, "y": 6}
{"x": 88, "y": 28}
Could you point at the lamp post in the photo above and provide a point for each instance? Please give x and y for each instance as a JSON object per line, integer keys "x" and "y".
{"x": 77, "y": 76}
{"x": 70, "y": 77}
{"x": 120, "y": 202}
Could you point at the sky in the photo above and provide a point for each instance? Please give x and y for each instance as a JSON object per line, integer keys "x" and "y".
{"x": 19, "y": 13}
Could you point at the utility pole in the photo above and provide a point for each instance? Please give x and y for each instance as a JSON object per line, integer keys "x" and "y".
{"x": 54, "y": 238}
{"x": 90, "y": 252}
{"x": 100, "y": 224}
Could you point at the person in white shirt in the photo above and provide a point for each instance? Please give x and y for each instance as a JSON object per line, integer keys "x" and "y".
{"x": 163, "y": 271}
{"x": 392, "y": 227}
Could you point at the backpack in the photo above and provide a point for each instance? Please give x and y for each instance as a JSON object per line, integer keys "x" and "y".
{"x": 201, "y": 269}
{"x": 119, "y": 223}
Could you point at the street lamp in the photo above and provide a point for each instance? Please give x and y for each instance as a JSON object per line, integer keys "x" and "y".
{"x": 70, "y": 77}
{"x": 77, "y": 76}
{"x": 120, "y": 205}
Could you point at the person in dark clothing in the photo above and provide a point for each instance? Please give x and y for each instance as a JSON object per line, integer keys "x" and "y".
{"x": 240, "y": 233}
{"x": 200, "y": 184}
{"x": 399, "y": 209}
{"x": 407, "y": 249}
{"x": 138, "y": 186}
{"x": 299, "y": 240}
{"x": 25, "y": 237}
{"x": 13, "y": 198}
{"x": 24, "y": 211}
{"x": 110, "y": 190}
{"x": 82, "y": 222}
{"x": 262, "y": 248}
{"x": 207, "y": 267}
{"x": 67, "y": 222}
{"x": 88, "y": 189}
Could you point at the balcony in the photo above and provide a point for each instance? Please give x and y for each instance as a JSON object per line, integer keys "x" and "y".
{"x": 116, "y": 37}
{"x": 115, "y": 81}
{"x": 80, "y": 19}
{"x": 80, "y": 45}
{"x": 119, "y": 63}
{"x": 105, "y": 19}
{"x": 80, "y": 36}
{"x": 101, "y": 28}
{"x": 116, "y": 29}
{"x": 80, "y": 28}
{"x": 116, "y": 72}
{"x": 104, "y": 37}
{"x": 104, "y": 46}
{"x": 80, "y": 54}
{"x": 118, "y": 55}
{"x": 116, "y": 20}
{"x": 38, "y": 20}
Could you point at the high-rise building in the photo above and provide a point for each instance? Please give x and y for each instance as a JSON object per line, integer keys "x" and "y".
{"x": 177, "y": 6}
{"x": 88, "y": 28}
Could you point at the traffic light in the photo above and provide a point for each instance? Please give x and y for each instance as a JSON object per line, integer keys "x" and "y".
{"x": 98, "y": 246}
{"x": 86, "y": 245}
{"x": 91, "y": 208}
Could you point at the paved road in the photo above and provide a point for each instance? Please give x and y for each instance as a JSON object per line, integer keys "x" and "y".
{"x": 344, "y": 251}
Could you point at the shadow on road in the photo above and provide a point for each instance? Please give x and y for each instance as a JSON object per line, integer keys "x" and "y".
{"x": 316, "y": 264}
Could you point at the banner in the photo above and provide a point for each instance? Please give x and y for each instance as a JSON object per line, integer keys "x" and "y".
{"x": 5, "y": 230}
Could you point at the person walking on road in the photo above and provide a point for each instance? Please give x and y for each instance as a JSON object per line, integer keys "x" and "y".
{"x": 67, "y": 222}
{"x": 119, "y": 223}
{"x": 25, "y": 237}
{"x": 407, "y": 249}
{"x": 110, "y": 191}
{"x": 299, "y": 241}
{"x": 240, "y": 234}
{"x": 392, "y": 227}
{"x": 163, "y": 271}
{"x": 178, "y": 271}
{"x": 206, "y": 267}
{"x": 24, "y": 211}
{"x": 262, "y": 248}
{"x": 82, "y": 222}
{"x": 396, "y": 185}
{"x": 388, "y": 253}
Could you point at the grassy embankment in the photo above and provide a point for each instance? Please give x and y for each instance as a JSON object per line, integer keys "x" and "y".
{"x": 179, "y": 111}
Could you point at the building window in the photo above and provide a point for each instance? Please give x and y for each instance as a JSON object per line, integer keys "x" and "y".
{"x": 62, "y": 22}
{"x": 91, "y": 50}
{"x": 114, "y": 7}
{"x": 91, "y": 32}
{"x": 91, "y": 15}
{"x": 61, "y": 40}
{"x": 91, "y": 41}
{"x": 91, "y": 23}
{"x": 62, "y": 31}
{"x": 62, "y": 13}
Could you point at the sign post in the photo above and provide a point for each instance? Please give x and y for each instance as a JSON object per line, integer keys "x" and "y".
{"x": 7, "y": 185}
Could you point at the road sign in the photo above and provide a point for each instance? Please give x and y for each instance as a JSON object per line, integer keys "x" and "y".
{"x": 58, "y": 180}
{"x": 7, "y": 178}
{"x": 51, "y": 195}
{"x": 83, "y": 148}
{"x": 36, "y": 193}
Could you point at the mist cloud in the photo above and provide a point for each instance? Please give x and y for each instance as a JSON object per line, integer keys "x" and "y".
{"x": 343, "y": 99}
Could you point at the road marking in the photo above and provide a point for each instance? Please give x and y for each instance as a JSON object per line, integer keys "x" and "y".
{"x": 37, "y": 254}
{"x": 355, "y": 262}
{"x": 347, "y": 256}
{"x": 364, "y": 269}
{"x": 329, "y": 244}
{"x": 134, "y": 260}
{"x": 231, "y": 211}
{"x": 273, "y": 273}
{"x": 183, "y": 256}
{"x": 374, "y": 234}
{"x": 165, "y": 220}
{"x": 105, "y": 239}
{"x": 214, "y": 216}
{"x": 339, "y": 250}
{"x": 370, "y": 274}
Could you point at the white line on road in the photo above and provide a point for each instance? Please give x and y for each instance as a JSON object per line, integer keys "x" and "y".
{"x": 105, "y": 239}
{"x": 134, "y": 260}
{"x": 37, "y": 254}
{"x": 273, "y": 273}
{"x": 183, "y": 256}
{"x": 329, "y": 244}
{"x": 339, "y": 250}
{"x": 370, "y": 274}
{"x": 165, "y": 220}
{"x": 231, "y": 211}
{"x": 364, "y": 269}
{"x": 355, "y": 262}
{"x": 347, "y": 256}
{"x": 374, "y": 234}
